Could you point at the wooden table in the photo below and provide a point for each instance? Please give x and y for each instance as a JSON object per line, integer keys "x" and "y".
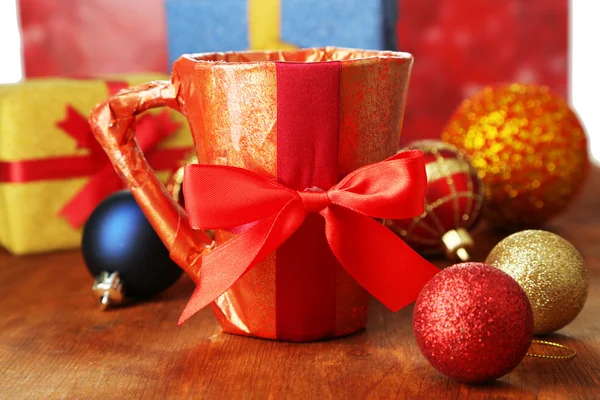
{"x": 54, "y": 343}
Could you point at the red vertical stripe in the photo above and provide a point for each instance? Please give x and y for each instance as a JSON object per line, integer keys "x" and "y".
{"x": 308, "y": 98}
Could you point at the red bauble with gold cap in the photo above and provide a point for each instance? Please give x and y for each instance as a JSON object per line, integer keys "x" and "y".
{"x": 452, "y": 203}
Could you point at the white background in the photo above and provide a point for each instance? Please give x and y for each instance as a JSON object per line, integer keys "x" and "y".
{"x": 584, "y": 72}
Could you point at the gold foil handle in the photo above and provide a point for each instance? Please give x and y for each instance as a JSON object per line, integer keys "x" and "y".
{"x": 458, "y": 242}
{"x": 113, "y": 124}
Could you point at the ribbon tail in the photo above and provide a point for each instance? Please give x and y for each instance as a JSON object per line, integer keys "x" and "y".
{"x": 376, "y": 258}
{"x": 77, "y": 126}
{"x": 222, "y": 267}
{"x": 101, "y": 184}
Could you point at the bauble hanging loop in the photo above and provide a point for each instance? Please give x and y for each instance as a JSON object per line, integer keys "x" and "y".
{"x": 108, "y": 288}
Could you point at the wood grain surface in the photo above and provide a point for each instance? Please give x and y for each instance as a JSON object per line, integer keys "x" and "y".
{"x": 54, "y": 343}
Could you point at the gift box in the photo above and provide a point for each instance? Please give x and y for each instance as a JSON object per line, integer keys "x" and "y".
{"x": 52, "y": 171}
{"x": 196, "y": 26}
{"x": 92, "y": 37}
{"x": 462, "y": 45}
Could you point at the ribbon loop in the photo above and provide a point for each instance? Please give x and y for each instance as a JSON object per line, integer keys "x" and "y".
{"x": 220, "y": 197}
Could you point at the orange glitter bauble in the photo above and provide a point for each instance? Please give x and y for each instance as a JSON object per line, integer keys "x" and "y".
{"x": 528, "y": 147}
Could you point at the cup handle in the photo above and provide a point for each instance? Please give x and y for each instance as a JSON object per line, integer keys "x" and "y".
{"x": 113, "y": 124}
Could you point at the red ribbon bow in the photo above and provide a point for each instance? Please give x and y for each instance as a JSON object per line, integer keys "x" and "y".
{"x": 222, "y": 197}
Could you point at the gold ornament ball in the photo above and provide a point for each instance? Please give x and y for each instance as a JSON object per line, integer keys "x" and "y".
{"x": 175, "y": 183}
{"x": 551, "y": 272}
{"x": 528, "y": 147}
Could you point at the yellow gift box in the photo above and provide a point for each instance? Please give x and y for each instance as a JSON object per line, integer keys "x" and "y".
{"x": 53, "y": 172}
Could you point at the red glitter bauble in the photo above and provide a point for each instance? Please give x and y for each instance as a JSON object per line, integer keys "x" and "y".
{"x": 473, "y": 322}
{"x": 453, "y": 200}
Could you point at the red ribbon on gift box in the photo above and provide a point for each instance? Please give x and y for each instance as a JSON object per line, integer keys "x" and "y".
{"x": 151, "y": 130}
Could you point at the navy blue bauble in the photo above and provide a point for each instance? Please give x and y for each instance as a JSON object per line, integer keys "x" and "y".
{"x": 118, "y": 238}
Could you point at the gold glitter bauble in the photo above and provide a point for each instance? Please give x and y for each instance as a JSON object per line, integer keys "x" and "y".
{"x": 550, "y": 270}
{"x": 528, "y": 147}
{"x": 175, "y": 182}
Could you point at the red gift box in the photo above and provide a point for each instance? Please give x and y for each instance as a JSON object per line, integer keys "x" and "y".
{"x": 462, "y": 45}
{"x": 77, "y": 38}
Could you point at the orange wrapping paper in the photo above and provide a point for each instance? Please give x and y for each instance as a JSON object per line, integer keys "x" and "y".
{"x": 230, "y": 101}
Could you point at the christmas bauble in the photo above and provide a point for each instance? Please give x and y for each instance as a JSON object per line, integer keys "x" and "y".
{"x": 529, "y": 148}
{"x": 118, "y": 238}
{"x": 550, "y": 270}
{"x": 473, "y": 322}
{"x": 452, "y": 203}
{"x": 175, "y": 183}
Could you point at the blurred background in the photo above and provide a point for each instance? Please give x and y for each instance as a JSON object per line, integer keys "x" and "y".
{"x": 459, "y": 45}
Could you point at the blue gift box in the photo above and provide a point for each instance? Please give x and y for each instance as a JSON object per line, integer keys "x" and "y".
{"x": 197, "y": 26}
